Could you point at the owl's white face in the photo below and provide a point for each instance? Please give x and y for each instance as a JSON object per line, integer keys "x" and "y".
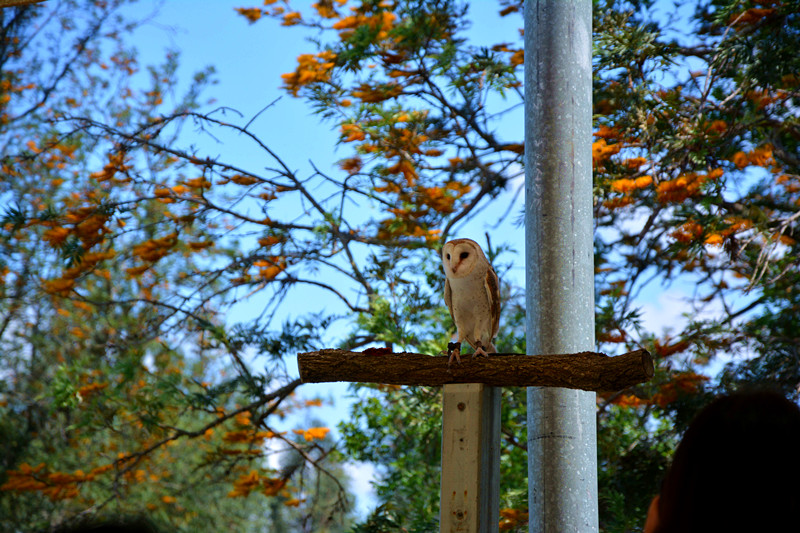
{"x": 460, "y": 257}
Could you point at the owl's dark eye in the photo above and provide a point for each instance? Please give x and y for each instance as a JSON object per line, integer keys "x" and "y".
{"x": 464, "y": 255}
{"x": 448, "y": 257}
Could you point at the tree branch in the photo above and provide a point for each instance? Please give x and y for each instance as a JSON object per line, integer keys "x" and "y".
{"x": 586, "y": 370}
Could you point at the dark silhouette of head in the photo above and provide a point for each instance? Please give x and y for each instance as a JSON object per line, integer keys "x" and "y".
{"x": 737, "y": 468}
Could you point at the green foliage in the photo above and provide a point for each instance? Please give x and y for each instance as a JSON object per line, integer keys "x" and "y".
{"x": 123, "y": 252}
{"x": 403, "y": 435}
{"x": 123, "y": 394}
{"x": 633, "y": 448}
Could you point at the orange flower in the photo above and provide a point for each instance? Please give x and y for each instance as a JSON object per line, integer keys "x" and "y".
{"x": 688, "y": 232}
{"x": 601, "y": 151}
{"x": 270, "y": 268}
{"x": 90, "y": 230}
{"x": 252, "y": 481}
{"x": 380, "y": 93}
{"x": 511, "y": 518}
{"x": 405, "y": 167}
{"x": 670, "y": 349}
{"x": 506, "y": 11}
{"x": 381, "y": 23}
{"x": 613, "y": 337}
{"x": 517, "y": 148}
{"x": 750, "y": 16}
{"x": 137, "y": 271}
{"x": 325, "y": 9}
{"x": 116, "y": 163}
{"x": 55, "y": 237}
{"x": 291, "y": 19}
{"x": 247, "y": 436}
{"x": 353, "y": 132}
{"x": 155, "y": 249}
{"x": 198, "y": 183}
{"x": 718, "y": 127}
{"x": 197, "y": 246}
{"x": 761, "y": 156}
{"x": 624, "y": 185}
{"x": 311, "y": 68}
{"x": 684, "y": 382}
{"x": 433, "y": 235}
{"x": 269, "y": 240}
{"x": 243, "y": 418}
{"x": 251, "y": 13}
{"x": 351, "y": 165}
{"x": 59, "y": 286}
{"x": 604, "y": 132}
{"x": 271, "y": 487}
{"x": 684, "y": 186}
{"x": 313, "y": 433}
{"x": 162, "y": 192}
{"x": 629, "y": 400}
{"x": 740, "y": 160}
{"x": 87, "y": 390}
{"x": 238, "y": 179}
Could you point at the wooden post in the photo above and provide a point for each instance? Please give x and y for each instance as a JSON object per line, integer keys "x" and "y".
{"x": 470, "y": 499}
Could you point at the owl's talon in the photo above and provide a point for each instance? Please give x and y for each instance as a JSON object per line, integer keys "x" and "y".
{"x": 479, "y": 351}
{"x": 454, "y": 350}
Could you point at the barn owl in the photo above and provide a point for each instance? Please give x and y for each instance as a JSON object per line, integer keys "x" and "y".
{"x": 472, "y": 294}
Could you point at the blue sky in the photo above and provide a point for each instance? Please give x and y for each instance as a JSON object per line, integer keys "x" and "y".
{"x": 249, "y": 59}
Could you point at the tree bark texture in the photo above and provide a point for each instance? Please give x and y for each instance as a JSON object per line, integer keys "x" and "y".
{"x": 589, "y": 371}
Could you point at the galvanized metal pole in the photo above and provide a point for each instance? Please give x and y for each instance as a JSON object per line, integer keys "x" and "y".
{"x": 562, "y": 440}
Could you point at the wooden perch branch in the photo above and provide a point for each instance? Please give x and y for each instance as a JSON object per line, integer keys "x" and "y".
{"x": 16, "y": 3}
{"x": 586, "y": 370}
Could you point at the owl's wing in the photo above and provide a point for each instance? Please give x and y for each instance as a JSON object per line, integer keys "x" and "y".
{"x": 448, "y": 297}
{"x": 492, "y": 285}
